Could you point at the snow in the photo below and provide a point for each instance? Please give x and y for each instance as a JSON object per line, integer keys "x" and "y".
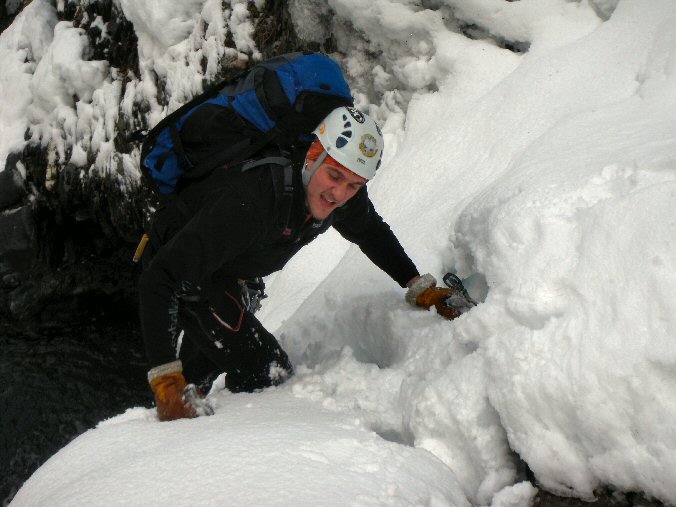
{"x": 266, "y": 433}
{"x": 61, "y": 75}
{"x": 546, "y": 179}
{"x": 21, "y": 44}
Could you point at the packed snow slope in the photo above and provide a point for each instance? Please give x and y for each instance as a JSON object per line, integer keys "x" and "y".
{"x": 547, "y": 180}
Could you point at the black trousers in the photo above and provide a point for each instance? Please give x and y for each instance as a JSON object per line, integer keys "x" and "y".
{"x": 230, "y": 340}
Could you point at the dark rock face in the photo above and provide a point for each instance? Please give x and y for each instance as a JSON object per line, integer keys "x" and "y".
{"x": 274, "y": 33}
{"x": 72, "y": 351}
{"x": 17, "y": 227}
{"x": 12, "y": 189}
{"x": 8, "y": 11}
{"x": 17, "y": 231}
{"x": 59, "y": 244}
{"x": 62, "y": 382}
{"x": 64, "y": 235}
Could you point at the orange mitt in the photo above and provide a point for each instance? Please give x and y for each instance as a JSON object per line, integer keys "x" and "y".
{"x": 174, "y": 398}
{"x": 169, "y": 398}
{"x": 424, "y": 292}
{"x": 436, "y": 296}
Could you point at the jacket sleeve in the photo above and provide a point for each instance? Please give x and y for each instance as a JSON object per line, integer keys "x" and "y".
{"x": 225, "y": 226}
{"x": 359, "y": 223}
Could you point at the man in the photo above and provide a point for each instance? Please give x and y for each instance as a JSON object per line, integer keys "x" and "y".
{"x": 195, "y": 325}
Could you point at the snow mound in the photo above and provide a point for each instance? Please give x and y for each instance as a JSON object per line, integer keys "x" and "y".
{"x": 255, "y": 451}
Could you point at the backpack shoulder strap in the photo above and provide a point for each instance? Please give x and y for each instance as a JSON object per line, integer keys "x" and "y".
{"x": 285, "y": 182}
{"x": 280, "y": 161}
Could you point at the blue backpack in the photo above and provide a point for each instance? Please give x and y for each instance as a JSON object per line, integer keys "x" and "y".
{"x": 280, "y": 100}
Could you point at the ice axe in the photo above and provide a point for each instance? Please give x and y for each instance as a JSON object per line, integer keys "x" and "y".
{"x": 461, "y": 301}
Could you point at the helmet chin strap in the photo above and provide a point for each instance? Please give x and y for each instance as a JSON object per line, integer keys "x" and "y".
{"x": 308, "y": 172}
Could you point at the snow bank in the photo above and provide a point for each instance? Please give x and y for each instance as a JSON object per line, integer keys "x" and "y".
{"x": 556, "y": 187}
{"x": 267, "y": 449}
{"x": 576, "y": 242}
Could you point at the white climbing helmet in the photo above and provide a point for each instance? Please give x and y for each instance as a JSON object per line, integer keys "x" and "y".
{"x": 352, "y": 139}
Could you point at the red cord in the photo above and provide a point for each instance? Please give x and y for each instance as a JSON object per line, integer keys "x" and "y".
{"x": 225, "y": 324}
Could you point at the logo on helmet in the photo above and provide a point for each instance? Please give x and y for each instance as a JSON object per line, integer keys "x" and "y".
{"x": 356, "y": 114}
{"x": 368, "y": 145}
{"x": 322, "y": 128}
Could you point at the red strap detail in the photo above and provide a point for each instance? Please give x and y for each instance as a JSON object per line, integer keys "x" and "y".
{"x": 225, "y": 324}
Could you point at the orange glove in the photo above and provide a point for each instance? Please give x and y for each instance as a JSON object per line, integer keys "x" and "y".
{"x": 435, "y": 296}
{"x": 169, "y": 399}
{"x": 173, "y": 397}
{"x": 423, "y": 292}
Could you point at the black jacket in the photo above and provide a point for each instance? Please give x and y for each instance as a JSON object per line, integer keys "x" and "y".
{"x": 234, "y": 232}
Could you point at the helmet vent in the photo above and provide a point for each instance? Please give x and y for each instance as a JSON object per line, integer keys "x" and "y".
{"x": 340, "y": 142}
